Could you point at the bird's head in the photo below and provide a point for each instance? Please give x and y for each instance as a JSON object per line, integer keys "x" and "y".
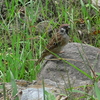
{"x": 64, "y": 29}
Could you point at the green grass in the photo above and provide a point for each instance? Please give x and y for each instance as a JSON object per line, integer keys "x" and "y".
{"x": 18, "y": 52}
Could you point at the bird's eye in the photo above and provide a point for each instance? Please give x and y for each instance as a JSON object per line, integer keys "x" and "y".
{"x": 62, "y": 30}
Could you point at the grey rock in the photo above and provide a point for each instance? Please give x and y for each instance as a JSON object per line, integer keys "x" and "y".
{"x": 96, "y": 2}
{"x": 81, "y": 55}
{"x": 33, "y": 94}
{"x": 43, "y": 27}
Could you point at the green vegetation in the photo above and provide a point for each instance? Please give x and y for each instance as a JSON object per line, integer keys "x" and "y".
{"x": 21, "y": 45}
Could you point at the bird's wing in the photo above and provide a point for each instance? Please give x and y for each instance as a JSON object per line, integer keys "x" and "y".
{"x": 54, "y": 42}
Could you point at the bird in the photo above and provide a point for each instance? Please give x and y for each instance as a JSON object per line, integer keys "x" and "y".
{"x": 56, "y": 43}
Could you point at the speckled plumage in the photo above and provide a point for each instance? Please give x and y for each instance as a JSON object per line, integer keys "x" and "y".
{"x": 56, "y": 43}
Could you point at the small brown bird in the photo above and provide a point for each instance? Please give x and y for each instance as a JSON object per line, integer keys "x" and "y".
{"x": 56, "y": 43}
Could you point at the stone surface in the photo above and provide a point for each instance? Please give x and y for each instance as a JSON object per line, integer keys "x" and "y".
{"x": 43, "y": 27}
{"x": 81, "y": 55}
{"x": 96, "y": 2}
{"x": 33, "y": 94}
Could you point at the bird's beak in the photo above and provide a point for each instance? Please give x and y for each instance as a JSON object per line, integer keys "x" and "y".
{"x": 68, "y": 27}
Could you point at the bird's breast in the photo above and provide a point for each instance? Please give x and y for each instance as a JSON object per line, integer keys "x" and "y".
{"x": 65, "y": 40}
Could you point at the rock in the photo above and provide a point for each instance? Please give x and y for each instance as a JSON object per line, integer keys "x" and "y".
{"x": 81, "y": 55}
{"x": 29, "y": 90}
{"x": 33, "y": 94}
{"x": 44, "y": 27}
{"x": 96, "y": 2}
